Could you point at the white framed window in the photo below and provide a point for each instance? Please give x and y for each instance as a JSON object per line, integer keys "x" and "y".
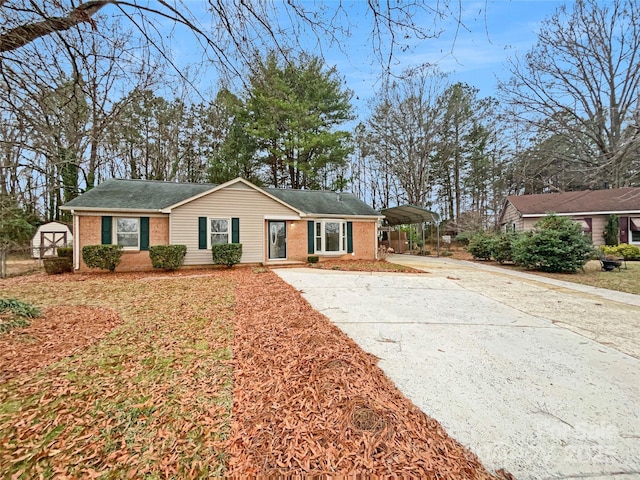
{"x": 330, "y": 237}
{"x": 127, "y": 232}
{"x": 219, "y": 231}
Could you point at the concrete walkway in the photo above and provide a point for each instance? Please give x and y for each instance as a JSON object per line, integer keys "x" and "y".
{"x": 536, "y": 376}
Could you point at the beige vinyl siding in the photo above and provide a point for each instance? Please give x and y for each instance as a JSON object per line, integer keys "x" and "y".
{"x": 598, "y": 222}
{"x": 511, "y": 217}
{"x": 237, "y": 200}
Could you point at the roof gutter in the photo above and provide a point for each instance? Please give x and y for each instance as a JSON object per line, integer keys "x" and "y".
{"x": 78, "y": 210}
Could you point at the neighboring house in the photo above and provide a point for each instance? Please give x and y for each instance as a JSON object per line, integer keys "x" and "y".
{"x": 273, "y": 225}
{"x": 47, "y": 239}
{"x": 591, "y": 208}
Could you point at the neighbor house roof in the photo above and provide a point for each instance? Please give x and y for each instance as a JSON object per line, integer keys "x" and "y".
{"x": 118, "y": 194}
{"x": 616, "y": 200}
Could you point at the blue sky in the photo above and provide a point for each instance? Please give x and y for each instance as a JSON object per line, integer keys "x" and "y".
{"x": 476, "y": 54}
{"x": 495, "y": 30}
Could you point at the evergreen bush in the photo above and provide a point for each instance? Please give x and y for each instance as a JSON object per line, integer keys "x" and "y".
{"x": 104, "y": 257}
{"x": 64, "y": 252}
{"x": 56, "y": 265}
{"x": 481, "y": 246}
{"x": 227, "y": 254}
{"x": 503, "y": 247}
{"x": 556, "y": 244}
{"x": 313, "y": 259}
{"x": 169, "y": 257}
{"x": 611, "y": 231}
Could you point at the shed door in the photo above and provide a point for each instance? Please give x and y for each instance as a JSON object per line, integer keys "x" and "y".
{"x": 277, "y": 240}
{"x": 50, "y": 241}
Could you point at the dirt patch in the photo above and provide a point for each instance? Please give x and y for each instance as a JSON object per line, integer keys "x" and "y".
{"x": 309, "y": 401}
{"x": 60, "y": 332}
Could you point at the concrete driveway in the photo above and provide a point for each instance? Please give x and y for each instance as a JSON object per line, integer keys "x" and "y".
{"x": 536, "y": 376}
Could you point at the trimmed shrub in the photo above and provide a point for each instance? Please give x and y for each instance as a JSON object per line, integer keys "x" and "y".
{"x": 64, "y": 252}
{"x": 169, "y": 257}
{"x": 624, "y": 250}
{"x": 313, "y": 259}
{"x": 56, "y": 265}
{"x": 227, "y": 254}
{"x": 481, "y": 246}
{"x": 503, "y": 247}
{"x": 104, "y": 257}
{"x": 556, "y": 244}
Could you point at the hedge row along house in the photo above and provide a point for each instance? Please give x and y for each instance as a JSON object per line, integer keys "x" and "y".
{"x": 591, "y": 208}
{"x": 274, "y": 226}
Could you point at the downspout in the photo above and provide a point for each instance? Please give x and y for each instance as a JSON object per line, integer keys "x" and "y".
{"x": 76, "y": 240}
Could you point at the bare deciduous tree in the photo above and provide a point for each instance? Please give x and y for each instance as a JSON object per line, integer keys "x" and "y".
{"x": 231, "y": 31}
{"x": 581, "y": 85}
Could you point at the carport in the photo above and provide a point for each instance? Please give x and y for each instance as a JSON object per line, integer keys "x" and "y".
{"x": 411, "y": 215}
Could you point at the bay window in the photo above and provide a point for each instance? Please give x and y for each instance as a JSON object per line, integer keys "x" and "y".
{"x": 330, "y": 237}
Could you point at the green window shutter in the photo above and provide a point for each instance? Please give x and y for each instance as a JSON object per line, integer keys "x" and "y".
{"x": 106, "y": 230}
{"x": 202, "y": 233}
{"x": 311, "y": 240}
{"x": 235, "y": 230}
{"x": 349, "y": 237}
{"x": 144, "y": 233}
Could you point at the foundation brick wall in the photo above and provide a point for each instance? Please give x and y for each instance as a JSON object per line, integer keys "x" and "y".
{"x": 91, "y": 234}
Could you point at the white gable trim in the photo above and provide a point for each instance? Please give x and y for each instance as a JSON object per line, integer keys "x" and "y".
{"x": 228, "y": 184}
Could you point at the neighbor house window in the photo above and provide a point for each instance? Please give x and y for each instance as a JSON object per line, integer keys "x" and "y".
{"x": 331, "y": 236}
{"x": 634, "y": 229}
{"x": 219, "y": 231}
{"x": 127, "y": 232}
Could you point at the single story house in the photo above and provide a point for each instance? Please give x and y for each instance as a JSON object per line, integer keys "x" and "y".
{"x": 273, "y": 225}
{"x": 591, "y": 208}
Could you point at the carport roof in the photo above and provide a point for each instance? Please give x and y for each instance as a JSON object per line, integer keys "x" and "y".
{"x": 409, "y": 214}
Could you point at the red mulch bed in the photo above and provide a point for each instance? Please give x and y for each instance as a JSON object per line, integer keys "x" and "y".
{"x": 60, "y": 332}
{"x": 309, "y": 401}
{"x": 306, "y": 399}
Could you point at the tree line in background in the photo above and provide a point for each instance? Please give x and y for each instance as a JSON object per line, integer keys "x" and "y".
{"x": 83, "y": 106}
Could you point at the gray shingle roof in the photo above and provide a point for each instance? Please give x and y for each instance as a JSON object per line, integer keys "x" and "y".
{"x": 118, "y": 194}
{"x": 318, "y": 202}
{"x": 137, "y": 194}
{"x": 613, "y": 200}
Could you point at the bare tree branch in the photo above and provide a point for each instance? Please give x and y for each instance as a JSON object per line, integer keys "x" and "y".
{"x": 23, "y": 34}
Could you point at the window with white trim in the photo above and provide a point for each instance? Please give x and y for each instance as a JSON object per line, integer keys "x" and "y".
{"x": 127, "y": 232}
{"x": 219, "y": 231}
{"x": 330, "y": 237}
